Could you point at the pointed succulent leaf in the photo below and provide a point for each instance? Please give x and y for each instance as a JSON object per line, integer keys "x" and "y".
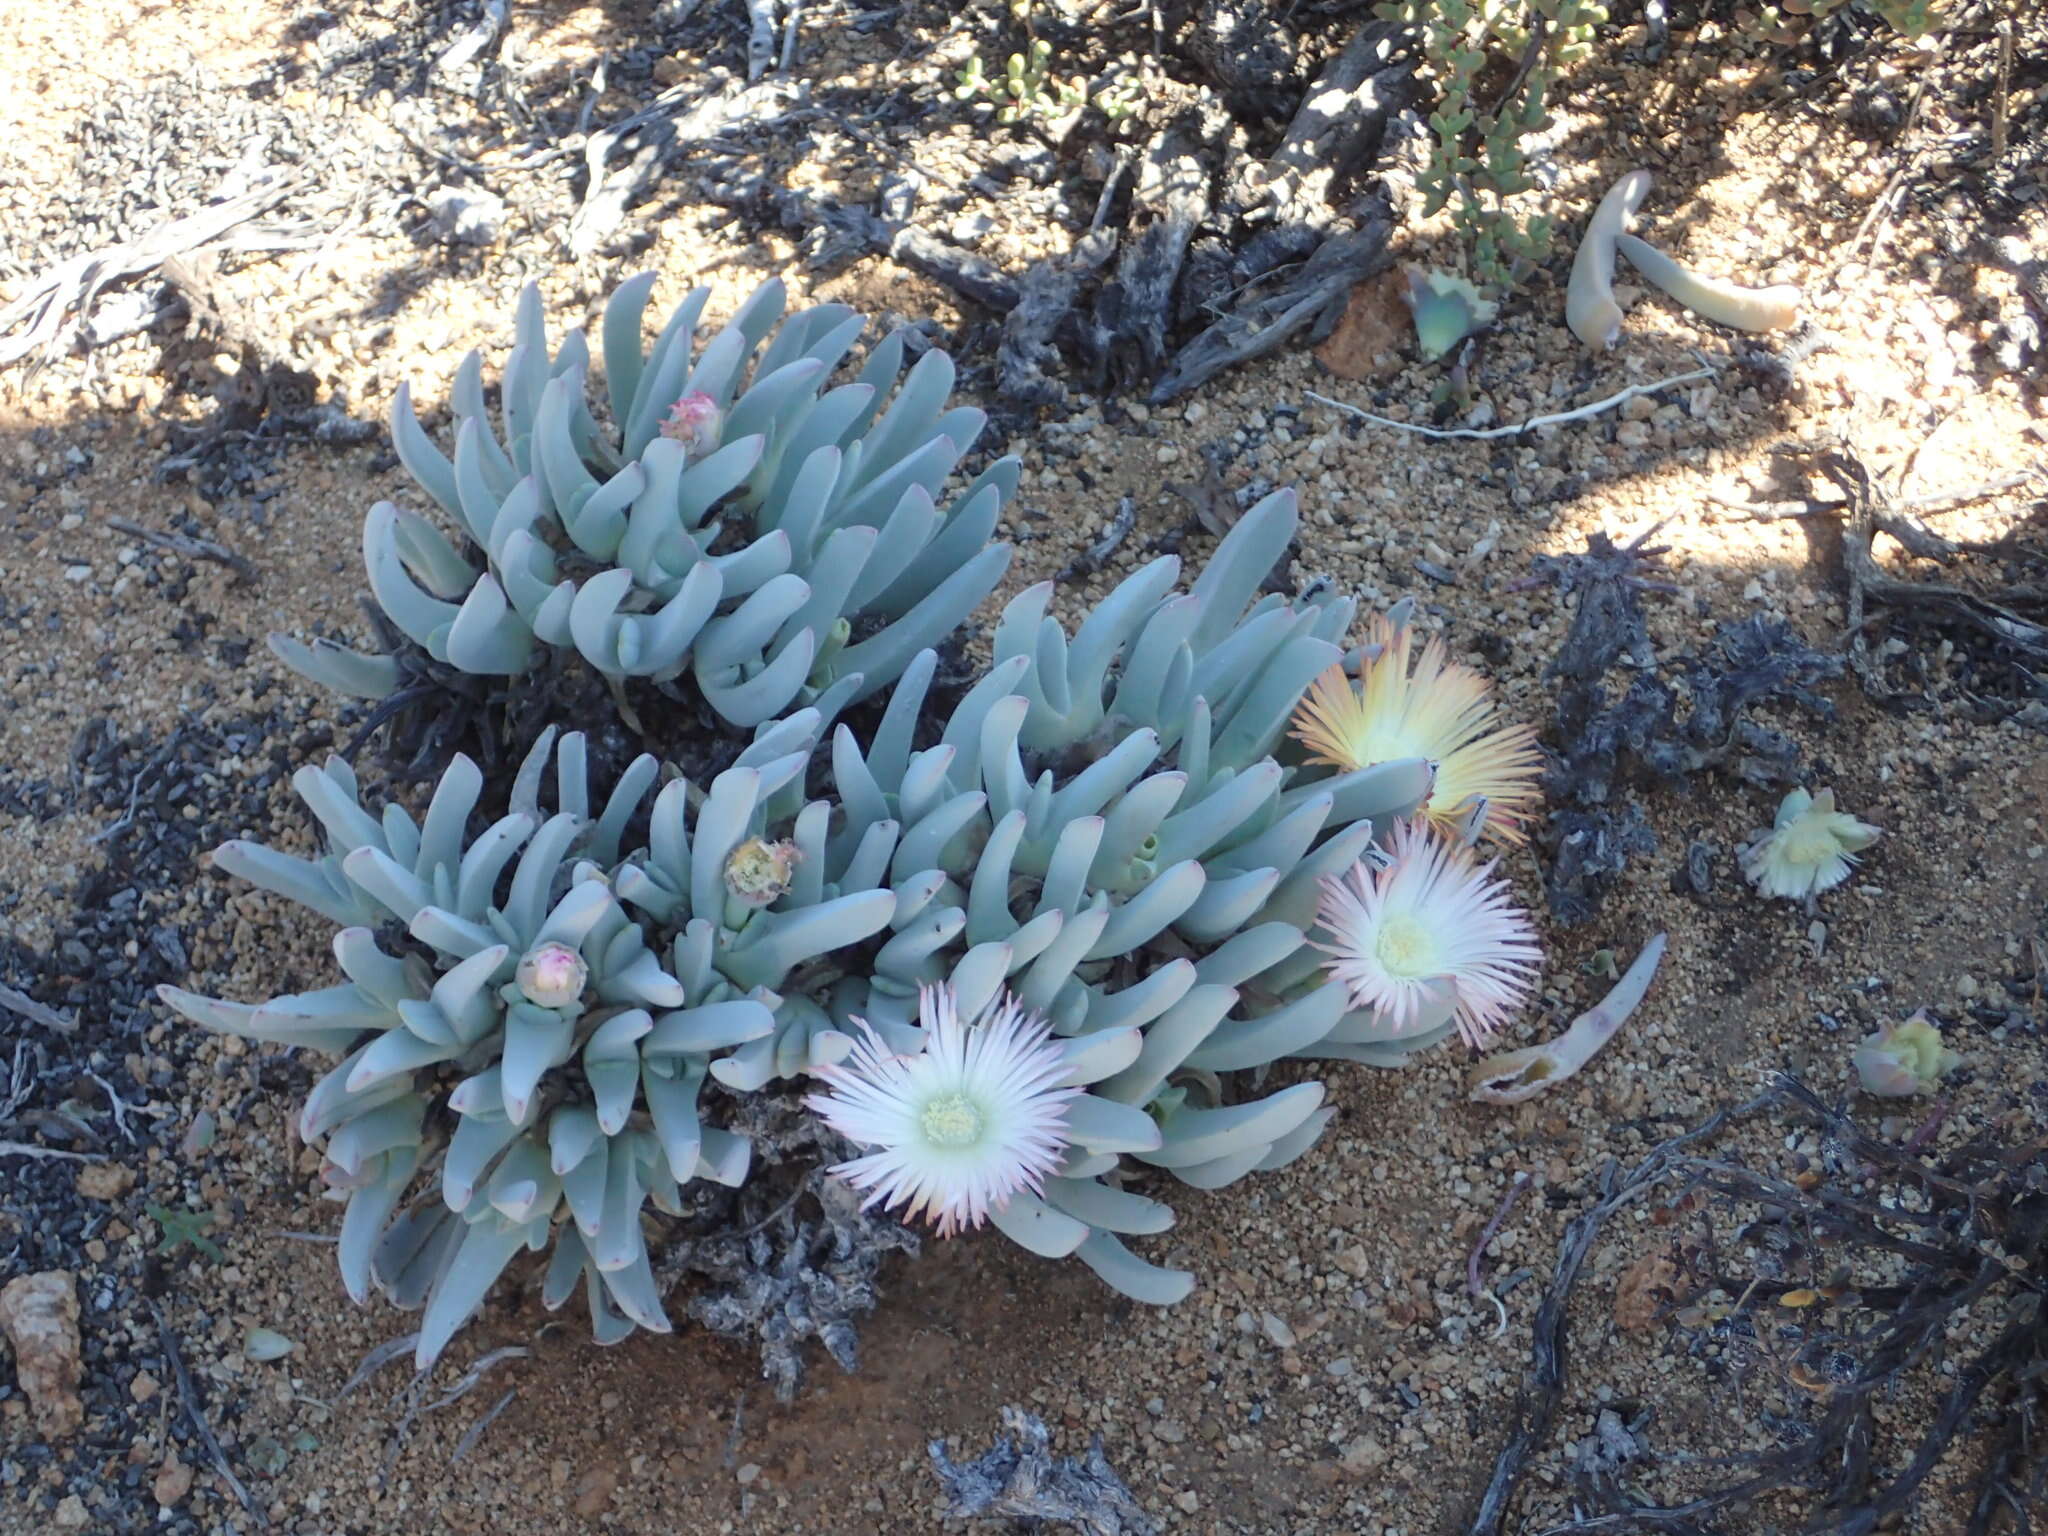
{"x": 1111, "y": 1210}
{"x": 1195, "y": 1136}
{"x": 486, "y": 1247}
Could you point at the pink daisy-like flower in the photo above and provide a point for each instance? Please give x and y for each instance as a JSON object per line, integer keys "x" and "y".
{"x": 960, "y": 1126}
{"x": 1429, "y": 912}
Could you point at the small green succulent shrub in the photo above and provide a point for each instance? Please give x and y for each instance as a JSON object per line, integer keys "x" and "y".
{"x": 726, "y": 522}
{"x": 552, "y": 1026}
{"x": 1786, "y": 22}
{"x": 1026, "y": 89}
{"x": 1476, "y": 166}
{"x": 528, "y": 1020}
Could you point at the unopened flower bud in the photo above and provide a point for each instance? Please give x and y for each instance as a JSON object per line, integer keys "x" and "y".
{"x": 552, "y": 976}
{"x": 695, "y": 421}
{"x": 758, "y": 872}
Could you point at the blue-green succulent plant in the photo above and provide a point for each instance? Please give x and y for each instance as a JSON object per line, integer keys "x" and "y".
{"x": 734, "y": 517}
{"x": 540, "y": 1014}
{"x": 529, "y": 1019}
{"x": 1121, "y": 851}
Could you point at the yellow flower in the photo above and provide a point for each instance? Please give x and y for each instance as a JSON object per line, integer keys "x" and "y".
{"x": 1440, "y": 710}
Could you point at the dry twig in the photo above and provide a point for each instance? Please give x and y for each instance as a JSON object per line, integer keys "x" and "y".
{"x": 190, "y": 1399}
{"x": 1494, "y": 434}
{"x": 1867, "y": 512}
{"x": 1096, "y": 555}
{"x": 70, "y": 287}
{"x": 191, "y": 548}
{"x": 1966, "y": 1230}
{"x": 35, "y": 1012}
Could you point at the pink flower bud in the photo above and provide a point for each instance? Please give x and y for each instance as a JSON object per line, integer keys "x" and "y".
{"x": 552, "y": 976}
{"x": 1901, "y": 1060}
{"x": 695, "y": 421}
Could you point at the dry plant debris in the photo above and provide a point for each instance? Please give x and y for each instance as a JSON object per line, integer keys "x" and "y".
{"x": 1861, "y": 1264}
{"x": 1019, "y": 1479}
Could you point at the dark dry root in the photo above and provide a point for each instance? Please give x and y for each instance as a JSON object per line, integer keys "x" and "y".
{"x": 1970, "y": 1233}
{"x": 791, "y": 1256}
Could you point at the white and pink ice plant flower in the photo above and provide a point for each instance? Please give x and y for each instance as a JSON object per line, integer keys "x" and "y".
{"x": 1423, "y": 915}
{"x": 960, "y": 1126}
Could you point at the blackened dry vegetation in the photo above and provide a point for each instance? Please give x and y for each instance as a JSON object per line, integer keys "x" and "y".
{"x": 1823, "y": 1288}
{"x": 439, "y": 710}
{"x": 102, "y": 1091}
{"x": 1668, "y": 719}
{"x": 1226, "y": 210}
{"x": 790, "y": 1256}
{"x": 1996, "y": 630}
{"x": 1019, "y": 1479}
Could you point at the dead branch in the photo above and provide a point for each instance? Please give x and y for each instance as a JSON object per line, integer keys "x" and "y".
{"x": 1866, "y": 512}
{"x": 1096, "y": 555}
{"x": 1543, "y": 1387}
{"x": 70, "y": 287}
{"x": 35, "y": 1012}
{"x": 189, "y": 1399}
{"x": 1028, "y": 360}
{"x": 1133, "y": 308}
{"x": 191, "y": 548}
{"x": 1979, "y": 1226}
{"x": 1341, "y": 121}
{"x": 1261, "y": 323}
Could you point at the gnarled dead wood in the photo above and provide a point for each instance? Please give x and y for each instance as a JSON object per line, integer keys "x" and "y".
{"x": 70, "y": 287}
{"x": 1028, "y": 359}
{"x": 1133, "y": 308}
{"x": 1264, "y": 320}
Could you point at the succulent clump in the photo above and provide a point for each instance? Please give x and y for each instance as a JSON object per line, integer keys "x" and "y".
{"x": 717, "y": 518}
{"x": 1810, "y": 847}
{"x": 564, "y": 1002}
{"x": 1901, "y": 1060}
{"x": 1021, "y": 937}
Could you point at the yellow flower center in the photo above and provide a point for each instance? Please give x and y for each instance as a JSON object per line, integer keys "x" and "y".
{"x": 952, "y": 1121}
{"x": 1810, "y": 843}
{"x": 1404, "y": 948}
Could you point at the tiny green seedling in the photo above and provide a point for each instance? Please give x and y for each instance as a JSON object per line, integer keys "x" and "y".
{"x": 184, "y": 1229}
